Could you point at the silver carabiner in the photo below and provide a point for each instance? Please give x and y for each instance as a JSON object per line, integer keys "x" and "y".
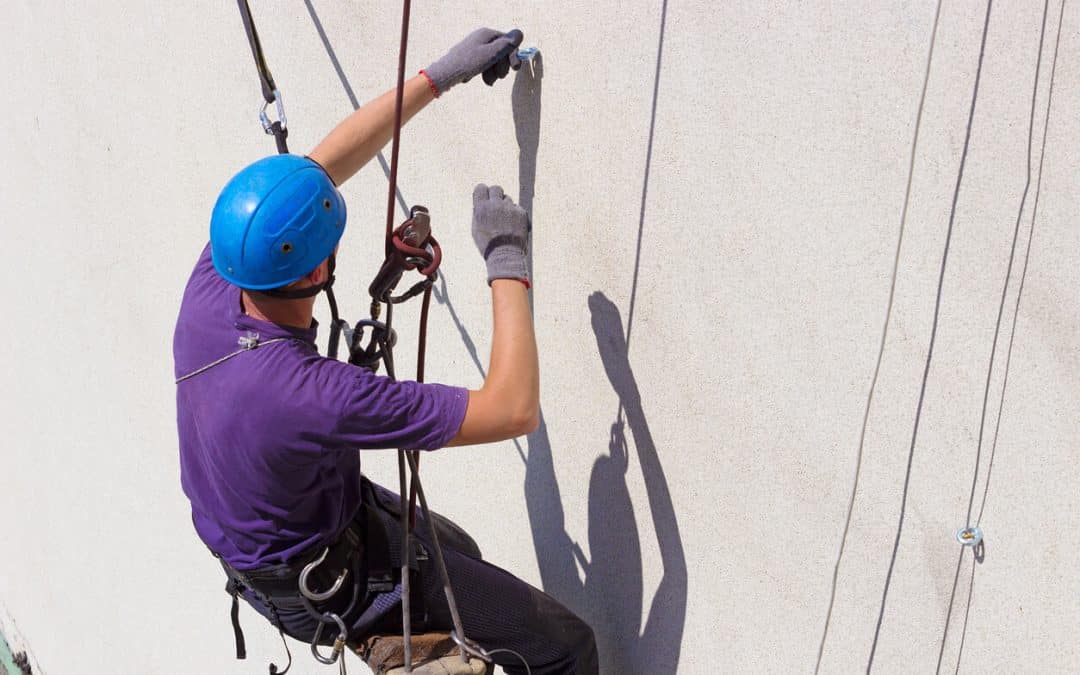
{"x": 306, "y": 591}
{"x": 339, "y": 641}
{"x": 265, "y": 119}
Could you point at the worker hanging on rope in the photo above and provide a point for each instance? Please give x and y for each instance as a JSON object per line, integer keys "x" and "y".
{"x": 269, "y": 430}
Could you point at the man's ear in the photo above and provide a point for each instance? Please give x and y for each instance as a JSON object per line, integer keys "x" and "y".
{"x": 318, "y": 275}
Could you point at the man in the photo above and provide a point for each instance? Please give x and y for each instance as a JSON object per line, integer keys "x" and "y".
{"x": 269, "y": 430}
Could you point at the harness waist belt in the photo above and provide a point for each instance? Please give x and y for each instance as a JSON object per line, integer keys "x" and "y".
{"x": 280, "y": 581}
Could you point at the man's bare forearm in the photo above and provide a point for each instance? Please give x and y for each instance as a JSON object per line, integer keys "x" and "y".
{"x": 514, "y": 370}
{"x": 356, "y": 140}
{"x": 508, "y": 404}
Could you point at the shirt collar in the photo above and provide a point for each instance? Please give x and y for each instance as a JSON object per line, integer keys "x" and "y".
{"x": 268, "y": 330}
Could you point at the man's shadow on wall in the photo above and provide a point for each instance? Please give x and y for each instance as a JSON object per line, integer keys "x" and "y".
{"x": 609, "y": 595}
{"x": 608, "y": 590}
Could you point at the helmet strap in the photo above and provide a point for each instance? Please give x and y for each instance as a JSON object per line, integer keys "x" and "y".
{"x": 329, "y": 288}
{"x": 336, "y": 324}
{"x": 308, "y": 292}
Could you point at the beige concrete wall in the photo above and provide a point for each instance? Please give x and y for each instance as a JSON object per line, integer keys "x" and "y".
{"x": 731, "y": 177}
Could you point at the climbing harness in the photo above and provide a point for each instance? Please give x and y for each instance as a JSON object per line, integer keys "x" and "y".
{"x": 359, "y": 553}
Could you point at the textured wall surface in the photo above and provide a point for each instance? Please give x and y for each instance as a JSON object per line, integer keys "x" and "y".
{"x": 720, "y": 187}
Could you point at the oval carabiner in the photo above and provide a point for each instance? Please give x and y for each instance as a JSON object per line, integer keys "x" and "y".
{"x": 306, "y": 572}
{"x": 267, "y": 123}
{"x": 339, "y": 641}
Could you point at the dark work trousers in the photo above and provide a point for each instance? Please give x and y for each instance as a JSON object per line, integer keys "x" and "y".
{"x": 498, "y": 610}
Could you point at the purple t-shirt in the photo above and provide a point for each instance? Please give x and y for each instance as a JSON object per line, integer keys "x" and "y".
{"x": 269, "y": 439}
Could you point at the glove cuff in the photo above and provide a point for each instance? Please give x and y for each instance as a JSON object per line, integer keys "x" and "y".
{"x": 431, "y": 83}
{"x": 441, "y": 76}
{"x": 507, "y": 261}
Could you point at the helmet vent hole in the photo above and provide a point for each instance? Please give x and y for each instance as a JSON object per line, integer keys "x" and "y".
{"x": 286, "y": 247}
{"x": 326, "y": 204}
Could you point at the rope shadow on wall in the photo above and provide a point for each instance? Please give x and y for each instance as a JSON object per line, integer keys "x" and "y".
{"x": 351, "y": 94}
{"x": 881, "y": 343}
{"x": 977, "y": 558}
{"x": 977, "y": 550}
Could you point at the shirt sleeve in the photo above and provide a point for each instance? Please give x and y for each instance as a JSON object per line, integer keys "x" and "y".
{"x": 380, "y": 413}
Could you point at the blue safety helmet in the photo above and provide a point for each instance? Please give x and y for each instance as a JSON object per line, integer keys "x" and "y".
{"x": 274, "y": 222}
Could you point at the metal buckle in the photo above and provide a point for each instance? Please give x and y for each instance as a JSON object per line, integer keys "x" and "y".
{"x": 267, "y": 124}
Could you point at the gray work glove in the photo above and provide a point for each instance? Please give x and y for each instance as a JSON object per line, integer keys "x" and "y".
{"x": 484, "y": 51}
{"x": 500, "y": 229}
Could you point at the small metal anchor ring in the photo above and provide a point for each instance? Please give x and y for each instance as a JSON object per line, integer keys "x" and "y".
{"x": 969, "y": 536}
{"x": 306, "y": 591}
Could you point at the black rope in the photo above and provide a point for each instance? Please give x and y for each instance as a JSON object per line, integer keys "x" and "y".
{"x": 881, "y": 345}
{"x": 266, "y": 80}
{"x": 933, "y": 336}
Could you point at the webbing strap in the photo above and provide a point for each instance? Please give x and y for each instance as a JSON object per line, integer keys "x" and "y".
{"x": 269, "y": 90}
{"x": 233, "y": 589}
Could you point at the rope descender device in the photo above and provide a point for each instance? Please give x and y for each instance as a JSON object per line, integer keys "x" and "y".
{"x": 412, "y": 247}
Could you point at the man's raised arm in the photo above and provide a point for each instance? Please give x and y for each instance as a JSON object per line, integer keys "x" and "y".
{"x": 356, "y": 140}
